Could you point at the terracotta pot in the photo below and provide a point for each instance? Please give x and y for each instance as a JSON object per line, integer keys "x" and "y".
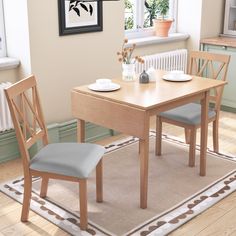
{"x": 162, "y": 27}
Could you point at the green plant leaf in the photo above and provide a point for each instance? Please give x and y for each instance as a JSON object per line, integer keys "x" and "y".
{"x": 147, "y": 5}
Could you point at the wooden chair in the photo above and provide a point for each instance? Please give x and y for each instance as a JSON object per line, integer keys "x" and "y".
{"x": 65, "y": 161}
{"x": 189, "y": 116}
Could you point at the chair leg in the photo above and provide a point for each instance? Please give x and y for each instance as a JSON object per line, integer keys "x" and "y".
{"x": 83, "y": 204}
{"x": 139, "y": 146}
{"x": 192, "y": 147}
{"x": 99, "y": 182}
{"x": 187, "y": 135}
{"x": 158, "y": 135}
{"x": 215, "y": 136}
{"x": 44, "y": 187}
{"x": 26, "y": 198}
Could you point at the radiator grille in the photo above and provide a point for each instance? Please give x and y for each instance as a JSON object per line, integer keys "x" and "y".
{"x": 171, "y": 60}
{"x": 5, "y": 116}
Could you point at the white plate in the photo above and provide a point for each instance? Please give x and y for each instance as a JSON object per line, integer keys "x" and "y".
{"x": 111, "y": 87}
{"x": 182, "y": 77}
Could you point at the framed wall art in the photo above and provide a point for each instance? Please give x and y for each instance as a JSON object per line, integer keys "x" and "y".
{"x": 77, "y": 17}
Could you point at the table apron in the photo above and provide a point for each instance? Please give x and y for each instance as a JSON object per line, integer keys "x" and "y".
{"x": 120, "y": 117}
{"x": 117, "y": 116}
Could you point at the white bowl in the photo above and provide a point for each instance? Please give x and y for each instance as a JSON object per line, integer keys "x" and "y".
{"x": 103, "y": 83}
{"x": 176, "y": 73}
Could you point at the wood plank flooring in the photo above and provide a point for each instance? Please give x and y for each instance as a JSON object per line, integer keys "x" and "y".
{"x": 217, "y": 221}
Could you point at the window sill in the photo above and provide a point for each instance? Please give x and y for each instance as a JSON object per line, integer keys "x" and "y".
{"x": 7, "y": 63}
{"x": 142, "y": 41}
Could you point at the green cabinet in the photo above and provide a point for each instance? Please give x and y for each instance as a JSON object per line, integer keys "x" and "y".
{"x": 229, "y": 95}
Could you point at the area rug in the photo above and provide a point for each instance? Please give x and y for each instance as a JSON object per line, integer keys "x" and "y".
{"x": 176, "y": 192}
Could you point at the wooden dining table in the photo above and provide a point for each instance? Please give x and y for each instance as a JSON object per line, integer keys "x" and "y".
{"x": 128, "y": 110}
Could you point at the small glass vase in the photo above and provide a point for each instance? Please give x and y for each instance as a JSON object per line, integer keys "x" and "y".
{"x": 128, "y": 73}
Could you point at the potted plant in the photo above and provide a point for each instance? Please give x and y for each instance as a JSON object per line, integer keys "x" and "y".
{"x": 158, "y": 10}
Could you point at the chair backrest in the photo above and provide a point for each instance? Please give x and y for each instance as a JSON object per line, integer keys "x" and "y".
{"x": 27, "y": 116}
{"x": 210, "y": 65}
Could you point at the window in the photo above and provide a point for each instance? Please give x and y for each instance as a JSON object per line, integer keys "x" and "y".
{"x": 139, "y": 21}
{"x": 2, "y": 32}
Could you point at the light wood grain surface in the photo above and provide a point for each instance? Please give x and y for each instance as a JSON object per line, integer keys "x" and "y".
{"x": 220, "y": 41}
{"x": 147, "y": 96}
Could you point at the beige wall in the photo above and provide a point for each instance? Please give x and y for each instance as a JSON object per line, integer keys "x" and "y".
{"x": 189, "y": 21}
{"x": 200, "y": 19}
{"x": 8, "y": 75}
{"x": 212, "y": 18}
{"x": 61, "y": 63}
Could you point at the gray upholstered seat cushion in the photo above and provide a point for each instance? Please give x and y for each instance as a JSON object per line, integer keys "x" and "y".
{"x": 71, "y": 159}
{"x": 188, "y": 114}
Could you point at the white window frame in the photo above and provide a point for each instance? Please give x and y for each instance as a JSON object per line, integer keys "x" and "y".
{"x": 2, "y": 32}
{"x": 140, "y": 32}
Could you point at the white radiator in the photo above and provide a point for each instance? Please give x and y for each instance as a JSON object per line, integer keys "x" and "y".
{"x": 171, "y": 60}
{"x": 5, "y": 116}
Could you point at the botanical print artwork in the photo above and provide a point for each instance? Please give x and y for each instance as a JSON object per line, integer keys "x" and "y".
{"x": 79, "y": 16}
{"x": 80, "y": 13}
{"x": 75, "y": 5}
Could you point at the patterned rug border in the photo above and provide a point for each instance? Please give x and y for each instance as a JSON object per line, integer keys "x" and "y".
{"x": 161, "y": 224}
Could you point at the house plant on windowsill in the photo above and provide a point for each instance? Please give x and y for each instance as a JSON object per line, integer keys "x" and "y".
{"x": 159, "y": 8}
{"x": 128, "y": 61}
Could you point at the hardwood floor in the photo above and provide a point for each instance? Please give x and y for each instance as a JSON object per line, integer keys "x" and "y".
{"x": 218, "y": 220}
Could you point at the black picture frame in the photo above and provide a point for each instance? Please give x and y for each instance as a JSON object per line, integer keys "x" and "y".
{"x": 77, "y": 8}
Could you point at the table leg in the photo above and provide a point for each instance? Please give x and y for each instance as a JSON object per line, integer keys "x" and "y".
{"x": 204, "y": 132}
{"x": 80, "y": 131}
{"x": 144, "y": 155}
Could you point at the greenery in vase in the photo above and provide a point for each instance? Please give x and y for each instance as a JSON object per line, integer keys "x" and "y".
{"x": 126, "y": 54}
{"x": 156, "y": 8}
